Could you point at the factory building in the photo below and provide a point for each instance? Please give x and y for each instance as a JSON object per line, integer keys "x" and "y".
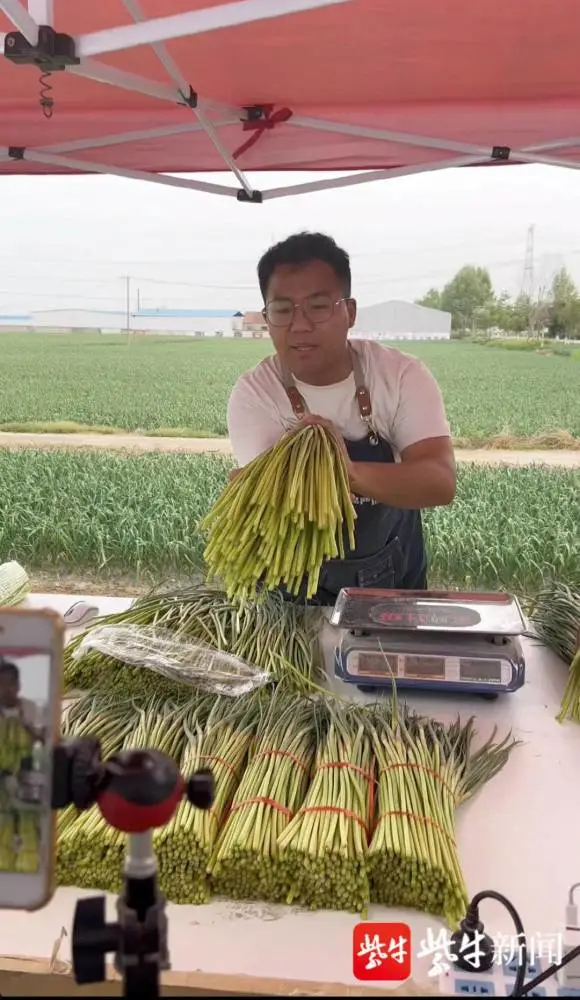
{"x": 384, "y": 321}
{"x": 187, "y": 322}
{"x": 402, "y": 321}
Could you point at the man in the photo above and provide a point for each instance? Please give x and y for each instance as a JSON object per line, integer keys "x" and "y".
{"x": 384, "y": 406}
{"x": 13, "y": 706}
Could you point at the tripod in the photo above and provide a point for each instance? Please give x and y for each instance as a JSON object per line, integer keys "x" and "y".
{"x": 136, "y": 792}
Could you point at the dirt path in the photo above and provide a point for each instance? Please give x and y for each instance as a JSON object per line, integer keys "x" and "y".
{"x": 557, "y": 458}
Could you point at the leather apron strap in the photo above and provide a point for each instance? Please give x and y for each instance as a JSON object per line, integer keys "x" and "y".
{"x": 300, "y": 408}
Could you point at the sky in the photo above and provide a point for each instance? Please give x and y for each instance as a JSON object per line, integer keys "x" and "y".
{"x": 71, "y": 242}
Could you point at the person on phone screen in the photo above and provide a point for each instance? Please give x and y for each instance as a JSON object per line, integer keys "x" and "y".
{"x": 384, "y": 406}
{"x": 14, "y": 706}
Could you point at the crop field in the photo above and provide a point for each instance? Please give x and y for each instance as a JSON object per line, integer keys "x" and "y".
{"x": 100, "y": 514}
{"x": 180, "y": 386}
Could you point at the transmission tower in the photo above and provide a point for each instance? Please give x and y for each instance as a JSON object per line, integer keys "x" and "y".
{"x": 528, "y": 275}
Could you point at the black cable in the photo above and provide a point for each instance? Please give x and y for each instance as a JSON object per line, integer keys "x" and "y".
{"x": 550, "y": 971}
{"x": 472, "y": 926}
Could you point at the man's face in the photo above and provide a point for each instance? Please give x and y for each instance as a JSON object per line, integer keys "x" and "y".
{"x": 9, "y": 689}
{"x": 309, "y": 320}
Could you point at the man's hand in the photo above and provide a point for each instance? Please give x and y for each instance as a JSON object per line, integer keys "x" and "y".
{"x": 309, "y": 419}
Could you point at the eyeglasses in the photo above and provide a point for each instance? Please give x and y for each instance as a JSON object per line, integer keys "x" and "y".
{"x": 316, "y": 309}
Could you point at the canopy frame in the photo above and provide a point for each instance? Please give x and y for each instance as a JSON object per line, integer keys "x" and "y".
{"x": 210, "y": 116}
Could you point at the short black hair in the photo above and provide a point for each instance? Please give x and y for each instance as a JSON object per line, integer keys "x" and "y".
{"x": 9, "y": 668}
{"x": 301, "y": 248}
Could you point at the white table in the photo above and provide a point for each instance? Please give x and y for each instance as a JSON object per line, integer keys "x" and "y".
{"x": 519, "y": 836}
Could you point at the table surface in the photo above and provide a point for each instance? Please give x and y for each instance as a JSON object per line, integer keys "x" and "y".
{"x": 518, "y": 835}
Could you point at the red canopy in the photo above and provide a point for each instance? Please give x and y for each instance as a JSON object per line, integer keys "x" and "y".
{"x": 386, "y": 86}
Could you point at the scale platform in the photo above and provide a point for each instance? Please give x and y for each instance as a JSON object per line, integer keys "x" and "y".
{"x": 430, "y": 640}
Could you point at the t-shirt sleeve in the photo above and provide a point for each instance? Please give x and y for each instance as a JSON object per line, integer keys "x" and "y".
{"x": 253, "y": 423}
{"x": 32, "y": 714}
{"x": 420, "y": 412}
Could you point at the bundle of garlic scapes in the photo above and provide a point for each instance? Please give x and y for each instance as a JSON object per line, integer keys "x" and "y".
{"x": 282, "y": 517}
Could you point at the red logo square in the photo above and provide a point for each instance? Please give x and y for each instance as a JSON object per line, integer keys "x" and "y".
{"x": 381, "y": 952}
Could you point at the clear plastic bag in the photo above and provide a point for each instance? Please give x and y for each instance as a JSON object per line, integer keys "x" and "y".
{"x": 176, "y": 657}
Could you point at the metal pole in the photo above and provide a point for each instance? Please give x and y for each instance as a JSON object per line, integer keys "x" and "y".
{"x": 128, "y": 307}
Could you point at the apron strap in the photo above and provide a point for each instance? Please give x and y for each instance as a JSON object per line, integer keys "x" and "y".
{"x": 298, "y": 403}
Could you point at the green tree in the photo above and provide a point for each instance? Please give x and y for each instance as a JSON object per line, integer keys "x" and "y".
{"x": 501, "y": 313}
{"x": 432, "y": 299}
{"x": 523, "y": 313}
{"x": 563, "y": 313}
{"x": 469, "y": 296}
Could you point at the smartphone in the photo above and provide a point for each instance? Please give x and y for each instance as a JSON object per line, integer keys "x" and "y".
{"x": 31, "y": 656}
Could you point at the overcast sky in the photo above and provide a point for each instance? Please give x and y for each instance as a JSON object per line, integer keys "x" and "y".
{"x": 68, "y": 242}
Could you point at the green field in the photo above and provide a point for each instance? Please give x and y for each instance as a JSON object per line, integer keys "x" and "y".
{"x": 166, "y": 385}
{"x": 104, "y": 515}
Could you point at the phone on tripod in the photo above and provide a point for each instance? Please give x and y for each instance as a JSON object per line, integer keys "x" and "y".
{"x": 31, "y": 655}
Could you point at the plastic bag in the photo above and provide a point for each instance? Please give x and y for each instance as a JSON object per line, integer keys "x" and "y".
{"x": 178, "y": 658}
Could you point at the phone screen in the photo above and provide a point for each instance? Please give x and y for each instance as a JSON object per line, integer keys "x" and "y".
{"x": 27, "y": 736}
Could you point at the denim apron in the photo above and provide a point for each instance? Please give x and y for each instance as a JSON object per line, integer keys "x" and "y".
{"x": 389, "y": 548}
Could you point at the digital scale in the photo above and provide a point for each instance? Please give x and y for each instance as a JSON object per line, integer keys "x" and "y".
{"x": 430, "y": 640}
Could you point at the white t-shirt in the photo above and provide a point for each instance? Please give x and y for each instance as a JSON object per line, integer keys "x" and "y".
{"x": 406, "y": 401}
{"x": 28, "y": 711}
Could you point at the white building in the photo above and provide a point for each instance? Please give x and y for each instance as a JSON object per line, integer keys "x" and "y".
{"x": 384, "y": 321}
{"x": 187, "y": 322}
{"x": 402, "y": 321}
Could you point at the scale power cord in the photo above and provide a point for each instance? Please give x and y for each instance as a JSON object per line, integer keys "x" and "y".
{"x": 471, "y": 931}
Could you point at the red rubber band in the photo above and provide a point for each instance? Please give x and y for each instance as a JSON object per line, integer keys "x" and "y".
{"x": 351, "y": 767}
{"x": 400, "y": 813}
{"x": 418, "y": 767}
{"x": 263, "y": 801}
{"x": 337, "y": 811}
{"x": 368, "y": 777}
{"x": 219, "y": 760}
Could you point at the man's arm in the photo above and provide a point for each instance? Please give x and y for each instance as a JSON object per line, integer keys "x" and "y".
{"x": 254, "y": 424}
{"x": 33, "y": 719}
{"x": 425, "y": 476}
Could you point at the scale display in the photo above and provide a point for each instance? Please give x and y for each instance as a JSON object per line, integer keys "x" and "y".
{"x": 448, "y": 611}
{"x": 386, "y": 667}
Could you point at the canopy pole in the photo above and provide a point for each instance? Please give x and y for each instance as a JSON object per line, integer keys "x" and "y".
{"x": 139, "y": 135}
{"x": 42, "y": 11}
{"x": 169, "y": 64}
{"x": 21, "y": 19}
{"x": 528, "y": 155}
{"x": 92, "y": 69}
{"x": 86, "y": 166}
{"x": 193, "y": 22}
{"x": 368, "y": 177}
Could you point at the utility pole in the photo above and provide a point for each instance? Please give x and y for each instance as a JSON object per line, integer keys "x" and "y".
{"x": 528, "y": 273}
{"x": 128, "y": 307}
{"x": 528, "y": 279}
